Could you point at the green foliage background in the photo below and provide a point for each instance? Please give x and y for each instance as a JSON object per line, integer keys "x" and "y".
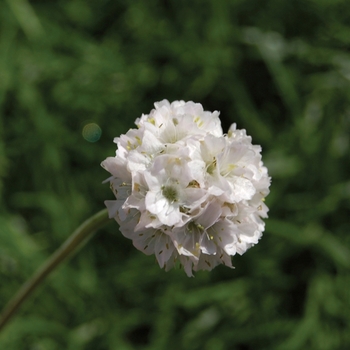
{"x": 278, "y": 68}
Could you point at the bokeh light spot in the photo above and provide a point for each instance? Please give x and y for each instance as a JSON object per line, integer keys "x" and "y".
{"x": 92, "y": 132}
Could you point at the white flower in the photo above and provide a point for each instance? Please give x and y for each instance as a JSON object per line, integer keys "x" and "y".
{"x": 170, "y": 196}
{"x": 185, "y": 191}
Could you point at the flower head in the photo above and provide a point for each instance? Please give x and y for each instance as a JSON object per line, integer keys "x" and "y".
{"x": 185, "y": 191}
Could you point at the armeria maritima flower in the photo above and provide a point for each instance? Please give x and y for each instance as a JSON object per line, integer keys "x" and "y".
{"x": 184, "y": 190}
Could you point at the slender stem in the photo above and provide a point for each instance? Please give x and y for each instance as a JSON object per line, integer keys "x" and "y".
{"x": 78, "y": 238}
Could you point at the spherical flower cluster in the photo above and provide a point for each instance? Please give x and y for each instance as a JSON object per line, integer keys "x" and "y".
{"x": 184, "y": 190}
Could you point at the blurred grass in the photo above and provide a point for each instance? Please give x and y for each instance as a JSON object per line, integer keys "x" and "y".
{"x": 279, "y": 69}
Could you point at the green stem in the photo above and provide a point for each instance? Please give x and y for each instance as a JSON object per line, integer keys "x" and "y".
{"x": 79, "y": 237}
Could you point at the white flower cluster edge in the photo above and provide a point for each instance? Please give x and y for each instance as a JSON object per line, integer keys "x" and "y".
{"x": 185, "y": 191}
